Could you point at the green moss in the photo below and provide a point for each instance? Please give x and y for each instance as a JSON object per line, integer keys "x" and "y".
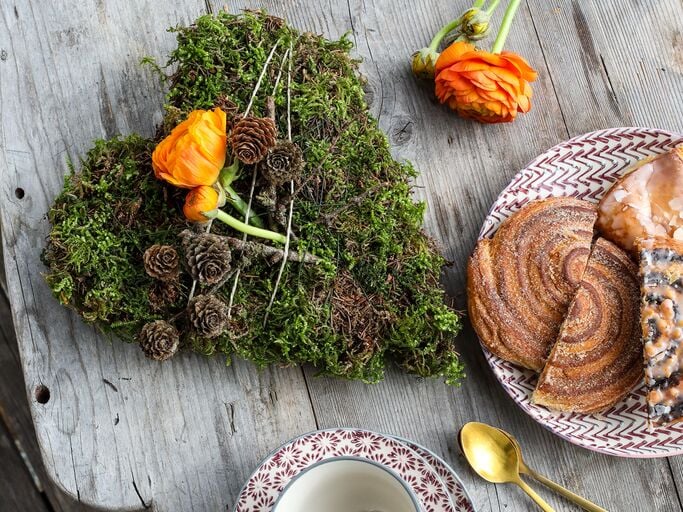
{"x": 375, "y": 295}
{"x": 106, "y": 213}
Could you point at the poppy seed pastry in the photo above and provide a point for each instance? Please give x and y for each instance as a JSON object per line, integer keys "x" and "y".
{"x": 661, "y": 274}
{"x": 597, "y": 358}
{"x": 521, "y": 282}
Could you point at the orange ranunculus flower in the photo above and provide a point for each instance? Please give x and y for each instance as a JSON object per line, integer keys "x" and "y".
{"x": 488, "y": 87}
{"x": 194, "y": 153}
{"x": 199, "y": 200}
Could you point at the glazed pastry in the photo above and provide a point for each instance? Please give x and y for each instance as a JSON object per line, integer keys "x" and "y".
{"x": 597, "y": 359}
{"x": 520, "y": 282}
{"x": 661, "y": 273}
{"x": 647, "y": 201}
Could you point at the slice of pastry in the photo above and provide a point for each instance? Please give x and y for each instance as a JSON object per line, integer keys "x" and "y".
{"x": 597, "y": 359}
{"x": 661, "y": 273}
{"x": 646, "y": 202}
{"x": 521, "y": 282}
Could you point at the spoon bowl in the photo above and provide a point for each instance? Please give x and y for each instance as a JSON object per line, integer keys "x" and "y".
{"x": 491, "y": 453}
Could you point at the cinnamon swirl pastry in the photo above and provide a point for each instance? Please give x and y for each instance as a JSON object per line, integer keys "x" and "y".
{"x": 661, "y": 273}
{"x": 520, "y": 282}
{"x": 597, "y": 358}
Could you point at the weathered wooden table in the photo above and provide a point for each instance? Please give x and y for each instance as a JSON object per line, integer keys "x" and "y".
{"x": 118, "y": 432}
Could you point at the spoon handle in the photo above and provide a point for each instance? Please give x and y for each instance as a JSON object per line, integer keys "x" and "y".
{"x": 532, "y": 494}
{"x": 582, "y": 502}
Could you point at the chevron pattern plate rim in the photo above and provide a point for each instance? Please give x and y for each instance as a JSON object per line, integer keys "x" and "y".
{"x": 585, "y": 167}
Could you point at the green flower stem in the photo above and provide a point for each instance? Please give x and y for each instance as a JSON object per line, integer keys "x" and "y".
{"x": 492, "y": 7}
{"x": 241, "y": 206}
{"x": 227, "y": 176}
{"x": 244, "y": 228}
{"x": 504, "y": 29}
{"x": 438, "y": 37}
{"x": 452, "y": 25}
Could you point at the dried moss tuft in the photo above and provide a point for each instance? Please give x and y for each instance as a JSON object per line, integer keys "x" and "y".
{"x": 376, "y": 294}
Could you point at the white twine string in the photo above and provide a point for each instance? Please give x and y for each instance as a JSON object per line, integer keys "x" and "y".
{"x": 291, "y": 193}
{"x": 233, "y": 291}
{"x": 246, "y": 216}
{"x": 244, "y": 239}
{"x": 260, "y": 78}
{"x": 279, "y": 73}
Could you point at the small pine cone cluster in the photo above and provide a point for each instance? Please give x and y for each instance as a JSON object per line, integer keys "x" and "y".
{"x": 162, "y": 294}
{"x": 162, "y": 262}
{"x": 252, "y": 137}
{"x": 208, "y": 315}
{"x": 159, "y": 340}
{"x": 282, "y": 163}
{"x": 208, "y": 256}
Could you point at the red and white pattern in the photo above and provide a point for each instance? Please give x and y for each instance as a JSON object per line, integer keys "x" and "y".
{"x": 586, "y": 167}
{"x": 272, "y": 476}
{"x": 455, "y": 487}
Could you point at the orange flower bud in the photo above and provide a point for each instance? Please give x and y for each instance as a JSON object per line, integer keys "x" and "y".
{"x": 194, "y": 153}
{"x": 199, "y": 200}
{"x": 488, "y": 87}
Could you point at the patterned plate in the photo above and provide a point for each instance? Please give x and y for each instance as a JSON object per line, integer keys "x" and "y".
{"x": 459, "y": 496}
{"x": 585, "y": 167}
{"x": 265, "y": 484}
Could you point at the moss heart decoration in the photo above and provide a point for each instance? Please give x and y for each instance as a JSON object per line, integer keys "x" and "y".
{"x": 365, "y": 288}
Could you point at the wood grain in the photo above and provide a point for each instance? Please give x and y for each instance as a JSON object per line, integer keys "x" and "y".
{"x": 117, "y": 432}
{"x": 121, "y": 433}
{"x": 17, "y": 490}
{"x": 16, "y": 424}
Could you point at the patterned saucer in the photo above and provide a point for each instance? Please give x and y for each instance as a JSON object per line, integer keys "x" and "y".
{"x": 586, "y": 167}
{"x": 264, "y": 486}
{"x": 459, "y": 496}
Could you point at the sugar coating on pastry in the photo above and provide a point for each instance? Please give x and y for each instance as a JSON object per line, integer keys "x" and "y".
{"x": 520, "y": 282}
{"x": 661, "y": 274}
{"x": 597, "y": 359}
{"x": 646, "y": 202}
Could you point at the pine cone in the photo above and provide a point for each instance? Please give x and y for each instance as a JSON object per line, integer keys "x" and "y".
{"x": 282, "y": 163}
{"x": 161, "y": 262}
{"x": 252, "y": 137}
{"x": 208, "y": 315}
{"x": 163, "y": 294}
{"x": 159, "y": 340}
{"x": 208, "y": 256}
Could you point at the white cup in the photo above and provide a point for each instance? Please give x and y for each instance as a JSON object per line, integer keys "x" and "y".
{"x": 346, "y": 484}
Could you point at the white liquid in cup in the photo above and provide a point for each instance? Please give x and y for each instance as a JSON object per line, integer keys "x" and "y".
{"x": 346, "y": 485}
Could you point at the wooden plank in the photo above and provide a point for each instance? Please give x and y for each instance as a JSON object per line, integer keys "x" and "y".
{"x": 117, "y": 432}
{"x": 676, "y": 466}
{"x": 17, "y": 490}
{"x": 15, "y": 414}
{"x": 464, "y": 166}
{"x": 600, "y": 77}
{"x": 175, "y": 445}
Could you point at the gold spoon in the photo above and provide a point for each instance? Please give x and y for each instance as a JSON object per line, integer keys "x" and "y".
{"x": 526, "y": 470}
{"x": 494, "y": 458}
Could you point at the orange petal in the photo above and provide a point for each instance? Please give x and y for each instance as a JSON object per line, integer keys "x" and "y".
{"x": 523, "y": 103}
{"x": 527, "y": 72}
{"x": 452, "y": 54}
